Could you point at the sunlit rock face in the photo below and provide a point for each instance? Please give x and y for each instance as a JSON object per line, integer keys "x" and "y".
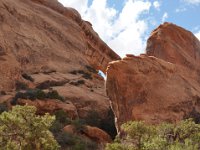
{"x": 50, "y": 43}
{"x": 162, "y": 85}
{"x": 174, "y": 44}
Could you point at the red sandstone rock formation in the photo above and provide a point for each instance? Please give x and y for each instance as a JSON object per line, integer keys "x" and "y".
{"x": 93, "y": 133}
{"x": 166, "y": 88}
{"x": 97, "y": 134}
{"x": 50, "y": 106}
{"x": 174, "y": 44}
{"x": 49, "y": 42}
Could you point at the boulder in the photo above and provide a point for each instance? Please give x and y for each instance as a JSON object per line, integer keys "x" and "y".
{"x": 97, "y": 134}
{"x": 152, "y": 87}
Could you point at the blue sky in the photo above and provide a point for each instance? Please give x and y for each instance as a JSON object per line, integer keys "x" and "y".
{"x": 126, "y": 24}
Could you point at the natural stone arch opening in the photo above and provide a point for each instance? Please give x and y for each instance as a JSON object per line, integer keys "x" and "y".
{"x": 102, "y": 74}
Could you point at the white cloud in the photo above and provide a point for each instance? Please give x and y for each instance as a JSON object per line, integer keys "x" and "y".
{"x": 198, "y": 35}
{"x": 192, "y": 1}
{"x": 178, "y": 10}
{"x": 165, "y": 16}
{"x": 101, "y": 17}
{"x": 156, "y": 5}
{"x": 123, "y": 31}
{"x": 80, "y": 5}
{"x": 129, "y": 29}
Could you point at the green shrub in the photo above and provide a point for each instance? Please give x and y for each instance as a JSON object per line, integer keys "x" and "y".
{"x": 54, "y": 95}
{"x": 77, "y": 83}
{"x": 48, "y": 84}
{"x": 22, "y": 129}
{"x": 139, "y": 136}
{"x": 34, "y": 94}
{"x": 195, "y": 115}
{"x": 79, "y": 125}
{"x": 3, "y": 107}
{"x": 93, "y": 119}
{"x": 56, "y": 127}
{"x": 20, "y": 85}
{"x": 74, "y": 142}
{"x": 61, "y": 116}
{"x": 66, "y": 139}
{"x": 85, "y": 74}
{"x": 91, "y": 69}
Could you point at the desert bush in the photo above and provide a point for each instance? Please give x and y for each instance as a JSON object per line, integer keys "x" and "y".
{"x": 68, "y": 140}
{"x": 74, "y": 142}
{"x": 3, "y": 107}
{"x": 79, "y": 125}
{"x": 34, "y": 94}
{"x": 27, "y": 77}
{"x": 85, "y": 74}
{"x": 61, "y": 121}
{"x": 61, "y": 116}
{"x": 54, "y": 95}
{"x": 195, "y": 115}
{"x": 91, "y": 69}
{"x": 22, "y": 129}
{"x": 93, "y": 118}
{"x": 48, "y": 84}
{"x": 20, "y": 85}
{"x": 77, "y": 83}
{"x": 140, "y": 136}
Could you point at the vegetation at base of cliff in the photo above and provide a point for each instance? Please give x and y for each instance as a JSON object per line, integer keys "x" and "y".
{"x": 75, "y": 141}
{"x": 34, "y": 94}
{"x": 22, "y": 129}
{"x": 20, "y": 85}
{"x": 195, "y": 115}
{"x": 138, "y": 136}
{"x": 107, "y": 123}
{"x": 69, "y": 140}
{"x": 3, "y": 107}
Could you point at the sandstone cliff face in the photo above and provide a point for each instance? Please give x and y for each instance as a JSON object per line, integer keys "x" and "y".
{"x": 56, "y": 48}
{"x": 157, "y": 88}
{"x": 174, "y": 44}
{"x": 50, "y": 106}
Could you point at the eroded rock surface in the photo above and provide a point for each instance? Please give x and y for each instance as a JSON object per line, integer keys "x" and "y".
{"x": 174, "y": 44}
{"x": 93, "y": 133}
{"x": 50, "y": 106}
{"x": 54, "y": 48}
{"x": 157, "y": 89}
{"x": 97, "y": 134}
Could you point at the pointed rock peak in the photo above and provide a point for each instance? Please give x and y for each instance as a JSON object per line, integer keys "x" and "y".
{"x": 174, "y": 44}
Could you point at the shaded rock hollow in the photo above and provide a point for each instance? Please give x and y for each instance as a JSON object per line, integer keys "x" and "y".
{"x": 162, "y": 85}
